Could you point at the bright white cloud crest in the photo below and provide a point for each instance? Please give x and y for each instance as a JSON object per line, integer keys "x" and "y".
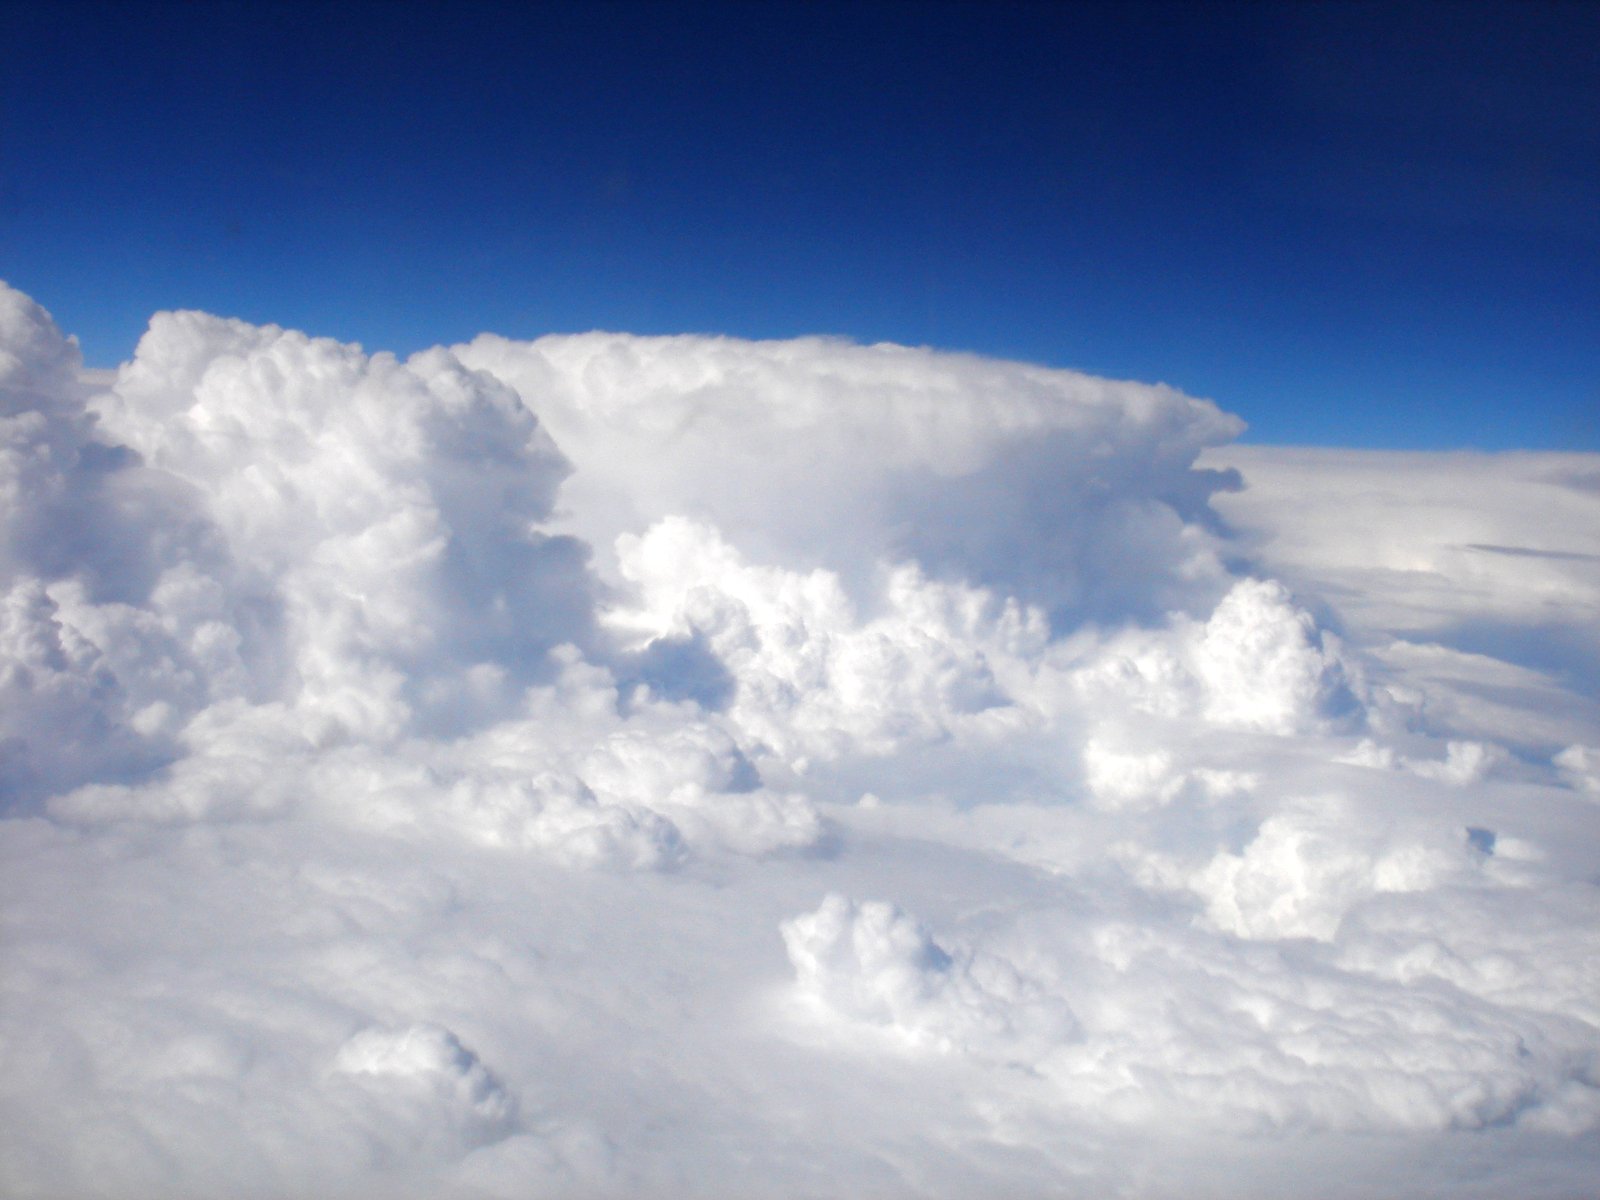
{"x": 619, "y": 766}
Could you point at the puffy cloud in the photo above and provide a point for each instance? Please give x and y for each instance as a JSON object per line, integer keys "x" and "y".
{"x": 86, "y": 681}
{"x": 1266, "y": 666}
{"x": 1581, "y": 766}
{"x": 299, "y": 523}
{"x": 411, "y": 773}
{"x": 1175, "y": 1025}
{"x": 811, "y": 677}
{"x": 1218, "y": 1036}
{"x": 1304, "y": 869}
{"x": 1065, "y": 490}
{"x": 356, "y": 564}
{"x": 1472, "y": 575}
{"x": 38, "y": 366}
{"x": 1125, "y": 777}
{"x": 426, "y": 1086}
{"x": 872, "y": 963}
{"x": 1119, "y": 779}
{"x": 1258, "y": 662}
{"x": 1463, "y": 763}
{"x": 380, "y": 515}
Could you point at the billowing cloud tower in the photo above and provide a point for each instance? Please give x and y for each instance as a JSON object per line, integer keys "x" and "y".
{"x": 663, "y": 766}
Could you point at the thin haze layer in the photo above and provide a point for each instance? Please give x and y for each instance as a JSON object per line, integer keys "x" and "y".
{"x": 617, "y": 766}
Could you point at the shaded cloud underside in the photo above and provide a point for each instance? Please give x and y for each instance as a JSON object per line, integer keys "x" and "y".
{"x": 609, "y": 765}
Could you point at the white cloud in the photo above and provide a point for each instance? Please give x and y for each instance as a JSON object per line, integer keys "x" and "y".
{"x": 812, "y": 679}
{"x": 1266, "y": 666}
{"x": 423, "y": 1085}
{"x": 1119, "y": 779}
{"x": 1305, "y": 868}
{"x": 1473, "y": 574}
{"x": 1063, "y": 489}
{"x": 872, "y": 963}
{"x": 1463, "y": 763}
{"x": 1581, "y": 766}
{"x": 419, "y": 779}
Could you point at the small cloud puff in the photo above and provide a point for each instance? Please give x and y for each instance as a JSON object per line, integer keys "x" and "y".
{"x": 811, "y": 679}
{"x": 872, "y": 964}
{"x": 427, "y": 1089}
{"x": 1308, "y": 865}
{"x": 1259, "y": 663}
{"x": 1464, "y": 763}
{"x": 1266, "y": 666}
{"x": 1580, "y": 766}
{"x": 1126, "y": 779}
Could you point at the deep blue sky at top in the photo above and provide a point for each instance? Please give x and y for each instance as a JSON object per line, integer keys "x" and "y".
{"x": 1360, "y": 225}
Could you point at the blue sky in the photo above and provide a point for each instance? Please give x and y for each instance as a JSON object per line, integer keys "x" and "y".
{"x": 1357, "y": 225}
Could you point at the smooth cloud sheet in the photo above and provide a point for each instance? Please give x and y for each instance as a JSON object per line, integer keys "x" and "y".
{"x": 682, "y": 766}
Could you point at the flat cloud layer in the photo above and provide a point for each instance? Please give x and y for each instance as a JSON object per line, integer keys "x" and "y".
{"x": 682, "y": 766}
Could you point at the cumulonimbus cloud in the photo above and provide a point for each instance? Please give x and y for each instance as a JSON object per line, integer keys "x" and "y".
{"x": 602, "y": 765}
